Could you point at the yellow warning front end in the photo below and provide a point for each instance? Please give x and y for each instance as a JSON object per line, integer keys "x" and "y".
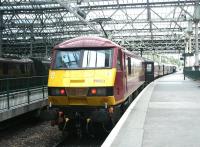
{"x": 81, "y": 87}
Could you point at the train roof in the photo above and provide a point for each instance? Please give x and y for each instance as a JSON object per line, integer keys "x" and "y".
{"x": 22, "y": 60}
{"x": 132, "y": 54}
{"x": 90, "y": 42}
{"x": 87, "y": 42}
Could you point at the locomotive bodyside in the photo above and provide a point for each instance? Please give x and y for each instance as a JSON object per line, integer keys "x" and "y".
{"x": 135, "y": 73}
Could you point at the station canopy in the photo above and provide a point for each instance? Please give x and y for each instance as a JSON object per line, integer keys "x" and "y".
{"x": 33, "y": 27}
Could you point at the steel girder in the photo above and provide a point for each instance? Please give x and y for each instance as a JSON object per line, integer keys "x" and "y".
{"x": 33, "y": 27}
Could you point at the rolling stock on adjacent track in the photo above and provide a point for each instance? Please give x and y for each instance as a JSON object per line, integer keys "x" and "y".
{"x": 19, "y": 67}
{"x": 18, "y": 73}
{"x": 93, "y": 80}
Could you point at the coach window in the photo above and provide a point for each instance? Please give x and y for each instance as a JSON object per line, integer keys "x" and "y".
{"x": 22, "y": 68}
{"x": 5, "y": 68}
{"x": 149, "y": 67}
{"x": 129, "y": 65}
{"x": 119, "y": 60}
{"x": 1, "y": 69}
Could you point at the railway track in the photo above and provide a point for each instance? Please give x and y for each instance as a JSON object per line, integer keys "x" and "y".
{"x": 85, "y": 141}
{"x": 59, "y": 143}
{"x": 18, "y": 121}
{"x": 28, "y": 133}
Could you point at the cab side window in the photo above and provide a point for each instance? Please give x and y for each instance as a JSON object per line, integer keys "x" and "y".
{"x": 129, "y": 65}
{"x": 5, "y": 69}
{"x": 149, "y": 67}
{"x": 119, "y": 60}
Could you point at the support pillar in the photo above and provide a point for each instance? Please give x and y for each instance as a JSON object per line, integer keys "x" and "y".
{"x": 160, "y": 59}
{"x": 189, "y": 45}
{"x": 1, "y": 31}
{"x": 190, "y": 50}
{"x": 196, "y": 46}
{"x": 31, "y": 49}
{"x": 186, "y": 46}
{"x": 186, "y": 51}
{"x": 189, "y": 33}
{"x": 141, "y": 51}
{"x": 184, "y": 57}
{"x": 46, "y": 51}
{"x": 196, "y": 21}
{"x": 31, "y": 41}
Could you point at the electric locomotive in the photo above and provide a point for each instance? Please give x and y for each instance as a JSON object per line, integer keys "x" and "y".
{"x": 92, "y": 80}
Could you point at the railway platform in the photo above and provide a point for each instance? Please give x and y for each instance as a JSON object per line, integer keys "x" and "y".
{"x": 20, "y": 95}
{"x": 19, "y": 102}
{"x": 165, "y": 114}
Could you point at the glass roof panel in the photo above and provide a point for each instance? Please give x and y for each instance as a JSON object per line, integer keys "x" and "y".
{"x": 52, "y": 21}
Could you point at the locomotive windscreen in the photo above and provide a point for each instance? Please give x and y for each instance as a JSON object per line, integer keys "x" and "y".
{"x": 83, "y": 58}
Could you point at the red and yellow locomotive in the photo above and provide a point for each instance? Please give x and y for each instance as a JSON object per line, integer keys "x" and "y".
{"x": 92, "y": 79}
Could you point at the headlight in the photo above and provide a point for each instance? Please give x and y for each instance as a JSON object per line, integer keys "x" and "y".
{"x": 100, "y": 91}
{"x": 56, "y": 91}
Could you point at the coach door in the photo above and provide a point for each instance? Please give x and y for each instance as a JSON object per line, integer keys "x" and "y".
{"x": 149, "y": 71}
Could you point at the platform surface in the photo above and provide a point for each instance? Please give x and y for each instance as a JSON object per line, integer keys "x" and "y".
{"x": 21, "y": 102}
{"x": 165, "y": 114}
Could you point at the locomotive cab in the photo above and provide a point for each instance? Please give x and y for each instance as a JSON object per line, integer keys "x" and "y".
{"x": 82, "y": 76}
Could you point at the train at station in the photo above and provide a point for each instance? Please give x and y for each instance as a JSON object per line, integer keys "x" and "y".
{"x": 154, "y": 70}
{"x": 93, "y": 80}
{"x": 11, "y": 67}
{"x": 15, "y": 72}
